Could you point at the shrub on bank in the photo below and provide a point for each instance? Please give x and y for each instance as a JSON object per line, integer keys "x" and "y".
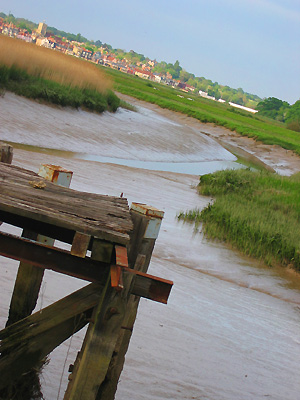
{"x": 257, "y": 212}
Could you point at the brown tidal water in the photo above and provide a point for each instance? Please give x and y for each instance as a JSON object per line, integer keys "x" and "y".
{"x": 231, "y": 327}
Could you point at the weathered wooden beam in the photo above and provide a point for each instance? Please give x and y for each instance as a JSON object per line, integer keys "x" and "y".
{"x": 93, "y": 365}
{"x": 50, "y": 317}
{"x": 88, "y": 269}
{"x": 53, "y": 258}
{"x": 6, "y": 153}
{"x": 29, "y": 354}
{"x": 105, "y": 217}
{"x": 53, "y": 231}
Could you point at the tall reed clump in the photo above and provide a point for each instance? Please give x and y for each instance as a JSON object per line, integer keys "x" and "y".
{"x": 38, "y": 72}
{"x": 257, "y": 212}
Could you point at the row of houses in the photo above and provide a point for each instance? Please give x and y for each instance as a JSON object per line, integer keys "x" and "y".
{"x": 143, "y": 71}
{"x": 102, "y": 56}
{"x": 41, "y": 38}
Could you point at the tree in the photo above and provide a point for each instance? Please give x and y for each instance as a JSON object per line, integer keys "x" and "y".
{"x": 89, "y": 48}
{"x": 238, "y": 98}
{"x": 176, "y": 70}
{"x": 98, "y": 43}
{"x": 185, "y": 76}
{"x": 271, "y": 103}
{"x": 11, "y": 18}
{"x": 22, "y": 25}
{"x": 293, "y": 117}
{"x": 273, "y": 108}
{"x": 226, "y": 95}
{"x": 107, "y": 46}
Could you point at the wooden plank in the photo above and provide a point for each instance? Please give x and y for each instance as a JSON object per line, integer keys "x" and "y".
{"x": 106, "y": 217}
{"x": 92, "y": 270}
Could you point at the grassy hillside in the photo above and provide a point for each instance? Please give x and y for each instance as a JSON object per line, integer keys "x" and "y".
{"x": 257, "y": 212}
{"x": 244, "y": 123}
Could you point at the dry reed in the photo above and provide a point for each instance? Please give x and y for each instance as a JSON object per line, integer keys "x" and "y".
{"x": 52, "y": 65}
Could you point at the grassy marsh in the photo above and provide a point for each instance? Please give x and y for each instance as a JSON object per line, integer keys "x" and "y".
{"x": 257, "y": 212}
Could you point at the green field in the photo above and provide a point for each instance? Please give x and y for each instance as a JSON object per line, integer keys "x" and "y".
{"x": 256, "y": 212}
{"x": 265, "y": 130}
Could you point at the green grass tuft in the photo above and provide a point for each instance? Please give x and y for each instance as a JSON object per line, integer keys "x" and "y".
{"x": 257, "y": 212}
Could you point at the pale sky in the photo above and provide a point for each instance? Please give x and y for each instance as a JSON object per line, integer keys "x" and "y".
{"x": 252, "y": 44}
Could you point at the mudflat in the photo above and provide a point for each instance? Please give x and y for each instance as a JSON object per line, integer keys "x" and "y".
{"x": 284, "y": 162}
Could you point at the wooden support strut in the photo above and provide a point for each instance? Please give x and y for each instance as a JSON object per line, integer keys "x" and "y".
{"x": 29, "y": 278}
{"x": 46, "y": 257}
{"x": 25, "y": 342}
{"x": 146, "y": 221}
{"x": 98, "y": 379}
{"x": 6, "y": 155}
{"x": 112, "y": 315}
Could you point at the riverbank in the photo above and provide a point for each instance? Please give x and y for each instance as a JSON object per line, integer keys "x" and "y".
{"x": 258, "y": 127}
{"x": 273, "y": 157}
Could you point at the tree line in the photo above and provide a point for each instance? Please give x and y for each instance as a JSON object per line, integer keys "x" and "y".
{"x": 281, "y": 111}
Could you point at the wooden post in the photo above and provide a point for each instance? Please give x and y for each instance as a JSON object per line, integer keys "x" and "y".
{"x": 6, "y": 153}
{"x": 94, "y": 358}
{"x": 100, "y": 362}
{"x": 146, "y": 221}
{"x": 29, "y": 277}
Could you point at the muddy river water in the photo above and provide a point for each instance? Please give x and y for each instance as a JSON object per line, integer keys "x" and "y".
{"x": 230, "y": 330}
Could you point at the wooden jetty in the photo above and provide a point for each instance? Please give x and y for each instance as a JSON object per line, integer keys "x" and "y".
{"x": 110, "y": 247}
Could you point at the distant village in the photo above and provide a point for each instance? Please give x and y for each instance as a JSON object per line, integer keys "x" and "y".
{"x": 102, "y": 56}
